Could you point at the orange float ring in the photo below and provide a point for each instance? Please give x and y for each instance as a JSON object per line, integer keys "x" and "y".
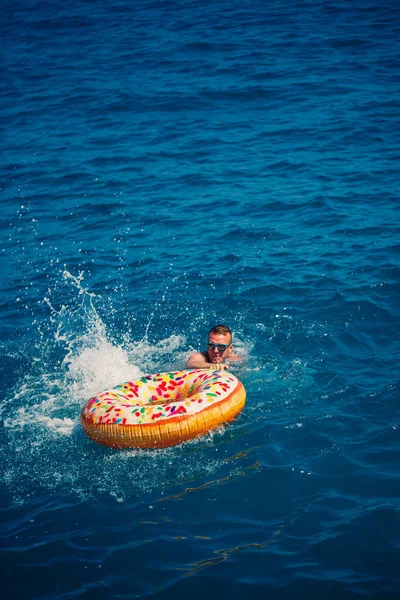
{"x": 157, "y": 411}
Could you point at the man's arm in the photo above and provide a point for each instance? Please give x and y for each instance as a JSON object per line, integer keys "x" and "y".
{"x": 197, "y": 361}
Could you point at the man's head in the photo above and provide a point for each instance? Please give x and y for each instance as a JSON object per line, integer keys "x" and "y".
{"x": 219, "y": 345}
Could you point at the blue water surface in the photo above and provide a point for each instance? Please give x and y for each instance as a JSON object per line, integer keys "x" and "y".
{"x": 165, "y": 166}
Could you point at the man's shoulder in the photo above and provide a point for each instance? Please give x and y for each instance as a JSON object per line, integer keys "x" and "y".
{"x": 198, "y": 358}
{"x": 198, "y": 354}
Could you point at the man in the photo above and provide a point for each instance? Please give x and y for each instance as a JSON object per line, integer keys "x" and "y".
{"x": 219, "y": 350}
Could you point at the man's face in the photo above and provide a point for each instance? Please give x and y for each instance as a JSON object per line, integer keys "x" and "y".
{"x": 215, "y": 354}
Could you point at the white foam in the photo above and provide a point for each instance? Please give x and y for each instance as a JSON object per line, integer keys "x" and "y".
{"x": 56, "y": 425}
{"x": 99, "y": 367}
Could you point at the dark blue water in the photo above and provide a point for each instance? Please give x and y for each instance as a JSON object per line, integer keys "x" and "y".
{"x": 166, "y": 166}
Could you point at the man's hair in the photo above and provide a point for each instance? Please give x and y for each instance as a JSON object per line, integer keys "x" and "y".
{"x": 221, "y": 329}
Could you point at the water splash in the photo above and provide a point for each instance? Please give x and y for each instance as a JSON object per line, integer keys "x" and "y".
{"x": 75, "y": 356}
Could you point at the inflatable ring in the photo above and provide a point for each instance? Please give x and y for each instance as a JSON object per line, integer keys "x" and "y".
{"x": 162, "y": 410}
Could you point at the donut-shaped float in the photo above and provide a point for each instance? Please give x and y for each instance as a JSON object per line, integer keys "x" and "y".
{"x": 162, "y": 410}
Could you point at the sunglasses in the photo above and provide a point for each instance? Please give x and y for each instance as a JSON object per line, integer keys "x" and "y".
{"x": 220, "y": 347}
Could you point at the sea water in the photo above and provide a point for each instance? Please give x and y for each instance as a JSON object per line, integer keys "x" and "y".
{"x": 170, "y": 165}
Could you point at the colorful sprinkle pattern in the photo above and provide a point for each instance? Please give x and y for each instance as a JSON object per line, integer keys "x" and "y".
{"x": 159, "y": 397}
